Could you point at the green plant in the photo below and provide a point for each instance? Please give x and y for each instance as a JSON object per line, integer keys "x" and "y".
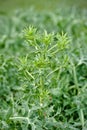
{"x": 40, "y": 72}
{"x": 43, "y": 83}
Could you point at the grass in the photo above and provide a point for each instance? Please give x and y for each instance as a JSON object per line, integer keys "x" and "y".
{"x": 43, "y": 70}
{"x": 9, "y": 5}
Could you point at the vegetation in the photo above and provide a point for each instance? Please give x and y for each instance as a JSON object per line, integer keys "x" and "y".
{"x": 9, "y": 5}
{"x": 43, "y": 70}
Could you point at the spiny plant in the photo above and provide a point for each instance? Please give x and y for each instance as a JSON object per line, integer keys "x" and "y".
{"x": 39, "y": 103}
{"x": 39, "y": 73}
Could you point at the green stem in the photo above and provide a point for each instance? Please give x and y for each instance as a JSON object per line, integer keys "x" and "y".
{"x": 52, "y": 47}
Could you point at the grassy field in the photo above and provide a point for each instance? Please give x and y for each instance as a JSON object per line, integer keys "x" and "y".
{"x": 9, "y": 5}
{"x": 43, "y": 66}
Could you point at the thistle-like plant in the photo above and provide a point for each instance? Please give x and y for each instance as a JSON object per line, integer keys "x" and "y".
{"x": 40, "y": 72}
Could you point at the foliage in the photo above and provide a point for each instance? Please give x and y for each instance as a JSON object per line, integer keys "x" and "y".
{"x": 43, "y": 73}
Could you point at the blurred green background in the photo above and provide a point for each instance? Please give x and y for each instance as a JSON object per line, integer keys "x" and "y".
{"x": 9, "y": 5}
